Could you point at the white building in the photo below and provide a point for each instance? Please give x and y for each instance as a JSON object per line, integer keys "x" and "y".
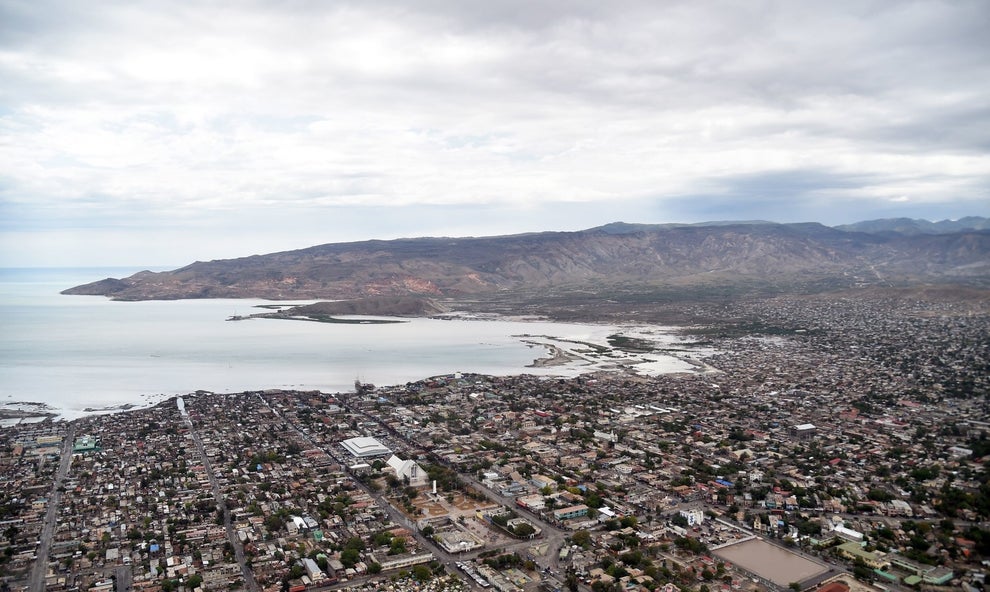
{"x": 694, "y": 517}
{"x": 804, "y": 431}
{"x": 408, "y": 469}
{"x": 312, "y": 570}
{"x": 847, "y": 533}
{"x": 365, "y": 447}
{"x": 606, "y": 436}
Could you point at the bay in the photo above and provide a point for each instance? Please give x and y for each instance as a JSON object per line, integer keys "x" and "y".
{"x": 80, "y": 353}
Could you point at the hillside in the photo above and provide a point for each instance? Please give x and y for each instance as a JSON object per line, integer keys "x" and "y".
{"x": 911, "y": 226}
{"x": 721, "y": 258}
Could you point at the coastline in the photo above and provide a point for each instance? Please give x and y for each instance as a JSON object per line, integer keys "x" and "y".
{"x": 562, "y": 358}
{"x": 148, "y": 351}
{"x": 555, "y": 356}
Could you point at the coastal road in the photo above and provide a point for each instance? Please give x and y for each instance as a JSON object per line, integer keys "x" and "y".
{"x": 37, "y": 581}
{"x": 249, "y": 581}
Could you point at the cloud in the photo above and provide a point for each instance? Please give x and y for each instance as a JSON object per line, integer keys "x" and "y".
{"x": 174, "y": 114}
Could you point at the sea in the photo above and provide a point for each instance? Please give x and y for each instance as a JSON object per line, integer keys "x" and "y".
{"x": 80, "y": 355}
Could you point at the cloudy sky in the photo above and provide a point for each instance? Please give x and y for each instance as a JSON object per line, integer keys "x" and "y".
{"x": 158, "y": 132}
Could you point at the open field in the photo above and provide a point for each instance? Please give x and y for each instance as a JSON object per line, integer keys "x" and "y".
{"x": 771, "y": 562}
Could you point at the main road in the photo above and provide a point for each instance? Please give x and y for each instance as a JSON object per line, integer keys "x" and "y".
{"x": 397, "y": 517}
{"x": 553, "y": 537}
{"x": 249, "y": 581}
{"x": 37, "y": 581}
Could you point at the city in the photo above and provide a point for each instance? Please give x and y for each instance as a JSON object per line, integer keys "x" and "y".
{"x": 840, "y": 447}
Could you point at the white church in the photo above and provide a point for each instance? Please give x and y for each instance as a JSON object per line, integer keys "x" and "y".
{"x": 408, "y": 469}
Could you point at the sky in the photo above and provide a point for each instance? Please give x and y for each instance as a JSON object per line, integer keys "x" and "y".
{"x": 159, "y": 132}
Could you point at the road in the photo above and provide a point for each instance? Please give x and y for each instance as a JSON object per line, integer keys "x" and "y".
{"x": 125, "y": 578}
{"x": 448, "y": 560}
{"x": 249, "y": 582}
{"x": 37, "y": 581}
{"x": 552, "y": 536}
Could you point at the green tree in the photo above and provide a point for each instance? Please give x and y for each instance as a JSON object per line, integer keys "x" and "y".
{"x": 398, "y": 546}
{"x": 523, "y": 530}
{"x": 422, "y": 573}
{"x": 350, "y": 556}
{"x": 581, "y": 538}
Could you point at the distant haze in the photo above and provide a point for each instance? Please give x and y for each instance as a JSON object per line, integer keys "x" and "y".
{"x": 158, "y": 133}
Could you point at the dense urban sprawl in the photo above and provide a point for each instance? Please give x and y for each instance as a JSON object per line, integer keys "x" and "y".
{"x": 816, "y": 445}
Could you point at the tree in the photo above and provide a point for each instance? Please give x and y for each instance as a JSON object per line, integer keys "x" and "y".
{"x": 523, "y": 530}
{"x": 350, "y": 556}
{"x": 422, "y": 573}
{"x": 581, "y": 538}
{"x": 398, "y": 546}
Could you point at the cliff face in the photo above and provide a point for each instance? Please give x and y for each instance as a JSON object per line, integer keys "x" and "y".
{"x": 599, "y": 259}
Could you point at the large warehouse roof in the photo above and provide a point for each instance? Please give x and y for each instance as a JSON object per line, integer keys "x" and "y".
{"x": 365, "y": 447}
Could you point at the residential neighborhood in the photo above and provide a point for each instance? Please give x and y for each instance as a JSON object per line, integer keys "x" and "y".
{"x": 840, "y": 448}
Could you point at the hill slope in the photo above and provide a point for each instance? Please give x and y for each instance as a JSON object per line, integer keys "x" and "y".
{"x": 911, "y": 226}
{"x": 761, "y": 256}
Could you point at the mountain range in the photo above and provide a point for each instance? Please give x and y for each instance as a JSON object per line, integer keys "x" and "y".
{"x": 671, "y": 260}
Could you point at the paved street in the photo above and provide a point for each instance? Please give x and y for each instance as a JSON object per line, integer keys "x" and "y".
{"x": 37, "y": 581}
{"x": 249, "y": 581}
{"x": 125, "y": 578}
{"x": 552, "y": 536}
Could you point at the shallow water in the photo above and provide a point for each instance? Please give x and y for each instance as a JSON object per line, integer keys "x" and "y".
{"x": 79, "y": 352}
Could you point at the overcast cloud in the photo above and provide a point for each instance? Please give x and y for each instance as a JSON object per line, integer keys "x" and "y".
{"x": 158, "y": 132}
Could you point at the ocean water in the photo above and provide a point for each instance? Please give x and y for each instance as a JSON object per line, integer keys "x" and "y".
{"x": 75, "y": 353}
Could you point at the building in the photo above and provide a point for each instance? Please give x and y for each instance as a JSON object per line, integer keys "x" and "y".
{"x": 928, "y": 574}
{"x": 694, "y": 517}
{"x": 365, "y": 447}
{"x": 606, "y": 436}
{"x": 571, "y": 512}
{"x": 847, "y": 533}
{"x": 458, "y": 541}
{"x": 401, "y": 561}
{"x": 408, "y": 471}
{"x": 312, "y": 569}
{"x": 803, "y": 431}
{"x": 534, "y": 502}
{"x": 855, "y": 551}
{"x": 84, "y": 444}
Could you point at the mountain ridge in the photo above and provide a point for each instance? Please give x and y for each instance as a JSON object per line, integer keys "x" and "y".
{"x": 914, "y": 226}
{"x": 717, "y": 255}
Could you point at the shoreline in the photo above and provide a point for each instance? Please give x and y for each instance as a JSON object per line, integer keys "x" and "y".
{"x": 569, "y": 349}
{"x": 554, "y": 357}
